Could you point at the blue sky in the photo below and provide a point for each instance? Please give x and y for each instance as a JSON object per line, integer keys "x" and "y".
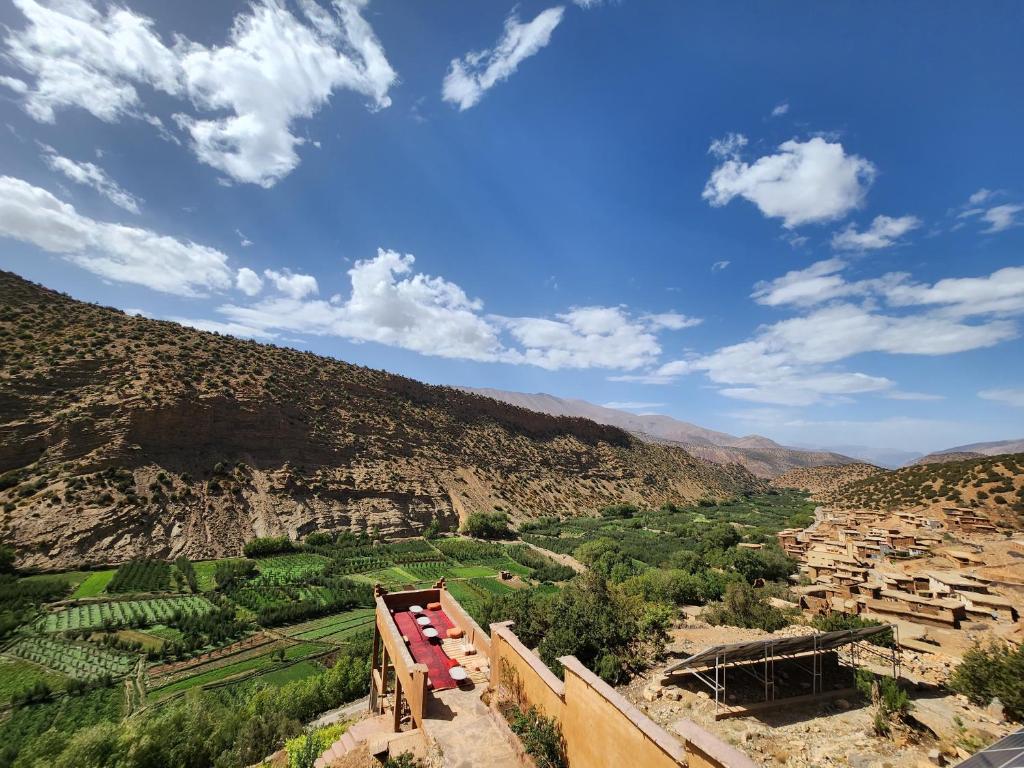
{"x": 798, "y": 220}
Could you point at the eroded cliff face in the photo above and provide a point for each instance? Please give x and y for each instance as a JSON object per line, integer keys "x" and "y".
{"x": 122, "y": 436}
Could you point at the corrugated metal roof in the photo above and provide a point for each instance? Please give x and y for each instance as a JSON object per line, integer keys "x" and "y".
{"x": 753, "y": 650}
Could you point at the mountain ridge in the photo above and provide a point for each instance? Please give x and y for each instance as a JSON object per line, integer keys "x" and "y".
{"x": 123, "y": 436}
{"x": 761, "y": 455}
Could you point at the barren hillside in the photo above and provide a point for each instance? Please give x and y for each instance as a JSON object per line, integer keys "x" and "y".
{"x": 762, "y": 456}
{"x": 973, "y": 450}
{"x": 122, "y": 436}
{"x": 824, "y": 482}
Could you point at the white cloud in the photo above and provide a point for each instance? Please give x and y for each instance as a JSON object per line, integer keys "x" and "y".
{"x": 292, "y": 285}
{"x": 720, "y": 265}
{"x": 920, "y": 396}
{"x": 819, "y": 282}
{"x": 805, "y": 182}
{"x": 585, "y": 337}
{"x": 980, "y": 196}
{"x": 883, "y": 232}
{"x": 1002, "y": 217}
{"x": 728, "y": 146}
{"x": 793, "y": 361}
{"x": 477, "y": 72}
{"x": 391, "y": 304}
{"x": 125, "y": 254}
{"x": 1009, "y": 396}
{"x": 248, "y": 282}
{"x": 780, "y": 109}
{"x": 276, "y": 68}
{"x": 18, "y": 86}
{"x": 673, "y": 321}
{"x": 226, "y": 329}
{"x": 244, "y": 241}
{"x": 91, "y": 175}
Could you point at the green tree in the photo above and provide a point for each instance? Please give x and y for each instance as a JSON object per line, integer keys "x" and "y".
{"x": 744, "y": 606}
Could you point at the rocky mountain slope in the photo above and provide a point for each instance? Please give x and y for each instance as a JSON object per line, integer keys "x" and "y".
{"x": 991, "y": 483}
{"x": 823, "y": 483}
{"x": 122, "y": 436}
{"x": 972, "y": 451}
{"x": 762, "y": 456}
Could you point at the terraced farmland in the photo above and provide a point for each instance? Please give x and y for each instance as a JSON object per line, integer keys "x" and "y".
{"x": 473, "y": 592}
{"x": 122, "y": 613}
{"x": 292, "y": 567}
{"x": 333, "y": 629}
{"x": 83, "y": 661}
{"x": 17, "y": 675}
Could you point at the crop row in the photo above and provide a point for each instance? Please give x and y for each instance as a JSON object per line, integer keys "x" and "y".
{"x": 158, "y": 610}
{"x": 79, "y": 660}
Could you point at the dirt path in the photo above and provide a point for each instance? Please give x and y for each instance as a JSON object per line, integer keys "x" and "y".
{"x": 568, "y": 560}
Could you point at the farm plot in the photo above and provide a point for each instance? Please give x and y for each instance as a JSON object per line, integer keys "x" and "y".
{"x": 473, "y": 592}
{"x": 79, "y": 660}
{"x": 93, "y": 584}
{"x": 205, "y": 569}
{"x": 333, "y": 628}
{"x": 141, "y": 576}
{"x": 122, "y": 613}
{"x": 17, "y": 675}
{"x": 292, "y": 567}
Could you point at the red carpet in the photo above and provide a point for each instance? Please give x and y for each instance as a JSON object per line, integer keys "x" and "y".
{"x": 423, "y": 650}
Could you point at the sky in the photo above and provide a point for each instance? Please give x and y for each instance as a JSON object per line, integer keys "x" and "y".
{"x": 792, "y": 219}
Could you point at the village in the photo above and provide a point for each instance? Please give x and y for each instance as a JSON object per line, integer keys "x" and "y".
{"x": 944, "y": 580}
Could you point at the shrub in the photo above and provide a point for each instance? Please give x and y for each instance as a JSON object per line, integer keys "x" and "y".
{"x": 319, "y": 539}
{"x": 541, "y": 736}
{"x": 744, "y": 606}
{"x": 487, "y": 525}
{"x": 268, "y": 545}
{"x": 992, "y": 671}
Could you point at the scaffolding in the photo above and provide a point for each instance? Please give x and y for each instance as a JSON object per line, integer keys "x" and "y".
{"x": 757, "y": 658}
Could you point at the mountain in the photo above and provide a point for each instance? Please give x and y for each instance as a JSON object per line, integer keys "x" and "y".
{"x": 122, "y": 436}
{"x": 972, "y": 451}
{"x": 823, "y": 483}
{"x": 991, "y": 483}
{"x": 763, "y": 457}
{"x": 890, "y": 458}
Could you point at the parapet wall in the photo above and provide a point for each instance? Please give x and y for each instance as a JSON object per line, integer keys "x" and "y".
{"x": 600, "y": 728}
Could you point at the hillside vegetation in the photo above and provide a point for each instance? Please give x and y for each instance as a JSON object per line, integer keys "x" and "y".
{"x": 993, "y": 483}
{"x": 823, "y": 482}
{"x": 125, "y": 437}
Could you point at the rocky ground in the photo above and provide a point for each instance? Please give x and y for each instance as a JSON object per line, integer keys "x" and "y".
{"x": 943, "y": 727}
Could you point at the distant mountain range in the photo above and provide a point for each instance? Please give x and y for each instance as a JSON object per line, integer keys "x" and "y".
{"x": 972, "y": 451}
{"x": 762, "y": 456}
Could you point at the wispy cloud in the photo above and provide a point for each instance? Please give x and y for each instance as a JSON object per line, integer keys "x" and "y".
{"x": 91, "y": 175}
{"x": 471, "y": 76}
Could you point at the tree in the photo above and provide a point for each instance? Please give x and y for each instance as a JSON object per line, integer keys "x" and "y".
{"x": 606, "y": 557}
{"x": 7, "y": 557}
{"x": 993, "y": 671}
{"x": 487, "y": 525}
{"x": 744, "y": 606}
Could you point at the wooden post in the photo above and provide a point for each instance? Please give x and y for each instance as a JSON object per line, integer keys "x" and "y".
{"x": 397, "y": 719}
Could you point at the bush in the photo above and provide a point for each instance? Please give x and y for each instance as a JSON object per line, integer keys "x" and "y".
{"x": 319, "y": 539}
{"x": 269, "y": 545}
{"x": 744, "y": 606}
{"x": 993, "y": 671}
{"x": 541, "y": 736}
{"x": 487, "y": 525}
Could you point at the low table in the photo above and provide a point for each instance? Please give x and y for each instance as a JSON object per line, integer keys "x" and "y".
{"x": 423, "y": 621}
{"x": 458, "y": 674}
{"x": 430, "y": 633}
{"x": 415, "y": 609}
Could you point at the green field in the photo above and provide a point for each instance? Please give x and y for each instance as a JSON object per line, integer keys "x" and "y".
{"x": 83, "y": 661}
{"x": 292, "y": 567}
{"x": 471, "y": 571}
{"x": 18, "y": 674}
{"x": 215, "y": 675}
{"x": 333, "y": 628}
{"x": 205, "y": 569}
{"x": 299, "y": 671}
{"x": 123, "y": 613}
{"x": 93, "y": 584}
